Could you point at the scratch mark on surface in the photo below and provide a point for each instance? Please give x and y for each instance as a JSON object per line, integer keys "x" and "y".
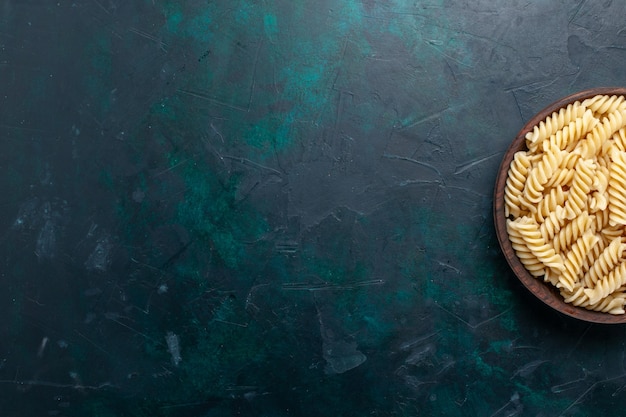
{"x": 254, "y": 66}
{"x": 514, "y": 398}
{"x": 154, "y": 268}
{"x": 374, "y": 58}
{"x": 529, "y": 368}
{"x": 468, "y": 165}
{"x": 475, "y": 326}
{"x": 580, "y": 5}
{"x": 556, "y": 389}
{"x": 494, "y": 40}
{"x": 579, "y": 340}
{"x": 414, "y": 161}
{"x": 134, "y": 330}
{"x": 447, "y": 265}
{"x": 451, "y": 71}
{"x": 77, "y": 386}
{"x": 102, "y": 7}
{"x": 297, "y": 286}
{"x": 286, "y": 247}
{"x": 28, "y": 129}
{"x": 588, "y": 390}
{"x": 211, "y": 148}
{"x": 217, "y": 132}
{"x": 536, "y": 86}
{"x": 250, "y": 306}
{"x": 419, "y": 182}
{"x": 93, "y": 343}
{"x": 203, "y": 96}
{"x": 617, "y": 391}
{"x": 411, "y": 343}
{"x": 162, "y": 45}
{"x": 443, "y": 54}
{"x": 425, "y": 119}
{"x": 170, "y": 168}
{"x": 232, "y": 323}
{"x": 344, "y": 49}
{"x": 519, "y": 109}
{"x": 246, "y": 161}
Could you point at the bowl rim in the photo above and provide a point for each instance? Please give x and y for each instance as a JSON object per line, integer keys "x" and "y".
{"x": 543, "y": 291}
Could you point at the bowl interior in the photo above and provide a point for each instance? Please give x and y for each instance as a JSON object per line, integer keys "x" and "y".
{"x": 545, "y": 292}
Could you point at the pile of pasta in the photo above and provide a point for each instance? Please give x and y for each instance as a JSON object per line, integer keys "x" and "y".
{"x": 565, "y": 202}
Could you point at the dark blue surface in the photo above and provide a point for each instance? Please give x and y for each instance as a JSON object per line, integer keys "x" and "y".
{"x": 283, "y": 208}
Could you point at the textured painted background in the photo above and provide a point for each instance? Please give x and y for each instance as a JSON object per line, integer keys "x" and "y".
{"x": 272, "y": 208}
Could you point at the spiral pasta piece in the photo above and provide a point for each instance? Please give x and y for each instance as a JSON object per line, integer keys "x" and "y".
{"x": 602, "y": 104}
{"x": 591, "y": 257}
{"x": 550, "y": 201}
{"x": 619, "y": 139}
{"x": 530, "y": 233}
{"x": 605, "y": 161}
{"x": 552, "y": 224}
{"x": 600, "y": 220}
{"x": 581, "y": 185}
{"x": 594, "y": 143}
{"x": 612, "y": 304}
{"x": 541, "y": 174}
{"x": 617, "y": 189}
{"x": 515, "y": 184}
{"x": 575, "y": 258}
{"x": 523, "y": 252}
{"x": 570, "y": 160}
{"x": 601, "y": 181}
{"x": 553, "y": 123}
{"x": 568, "y": 137}
{"x": 573, "y": 230}
{"x": 576, "y": 296}
{"x": 608, "y": 284}
{"x": 551, "y": 277}
{"x": 610, "y": 233}
{"x": 561, "y": 177}
{"x": 605, "y": 262}
{"x": 599, "y": 200}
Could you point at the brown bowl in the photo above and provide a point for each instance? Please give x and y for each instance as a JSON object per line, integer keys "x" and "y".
{"x": 544, "y": 291}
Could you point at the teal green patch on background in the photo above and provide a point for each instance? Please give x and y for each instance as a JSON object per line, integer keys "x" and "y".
{"x": 269, "y": 135}
{"x": 243, "y": 12}
{"x": 270, "y": 24}
{"x": 211, "y": 210}
{"x": 303, "y": 66}
{"x": 173, "y": 16}
{"x": 200, "y": 26}
{"x": 485, "y": 369}
{"x": 222, "y": 351}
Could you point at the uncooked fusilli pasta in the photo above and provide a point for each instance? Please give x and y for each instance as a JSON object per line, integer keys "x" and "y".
{"x": 565, "y": 203}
